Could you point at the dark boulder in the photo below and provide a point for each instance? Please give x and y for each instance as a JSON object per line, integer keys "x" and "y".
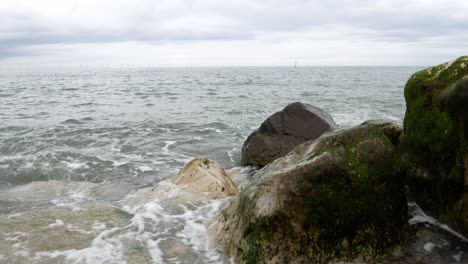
{"x": 337, "y": 198}
{"x": 455, "y": 99}
{"x": 284, "y": 130}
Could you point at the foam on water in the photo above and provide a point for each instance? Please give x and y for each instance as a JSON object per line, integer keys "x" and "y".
{"x": 144, "y": 168}
{"x": 164, "y": 227}
{"x": 80, "y": 152}
{"x": 58, "y": 222}
{"x": 166, "y": 147}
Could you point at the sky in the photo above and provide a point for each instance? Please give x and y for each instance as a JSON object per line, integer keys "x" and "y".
{"x": 184, "y": 33}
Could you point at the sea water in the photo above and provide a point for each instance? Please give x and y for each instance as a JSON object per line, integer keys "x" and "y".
{"x": 81, "y": 149}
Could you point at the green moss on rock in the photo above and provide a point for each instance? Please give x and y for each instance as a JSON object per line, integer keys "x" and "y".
{"x": 338, "y": 198}
{"x": 434, "y": 146}
{"x": 264, "y": 228}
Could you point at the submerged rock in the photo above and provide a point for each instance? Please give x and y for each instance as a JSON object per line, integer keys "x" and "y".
{"x": 283, "y": 131}
{"x": 62, "y": 217}
{"x": 206, "y": 176}
{"x": 434, "y": 147}
{"x": 200, "y": 180}
{"x": 44, "y": 229}
{"x": 339, "y": 197}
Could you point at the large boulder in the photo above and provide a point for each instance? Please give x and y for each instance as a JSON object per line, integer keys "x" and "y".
{"x": 337, "y": 198}
{"x": 202, "y": 175}
{"x": 434, "y": 145}
{"x": 284, "y": 130}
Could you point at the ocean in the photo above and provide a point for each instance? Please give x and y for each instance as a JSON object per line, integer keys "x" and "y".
{"x": 81, "y": 148}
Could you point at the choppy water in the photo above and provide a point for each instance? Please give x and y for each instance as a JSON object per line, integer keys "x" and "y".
{"x": 79, "y": 147}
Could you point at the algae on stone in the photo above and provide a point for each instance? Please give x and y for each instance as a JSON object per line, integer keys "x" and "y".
{"x": 434, "y": 144}
{"x": 337, "y": 198}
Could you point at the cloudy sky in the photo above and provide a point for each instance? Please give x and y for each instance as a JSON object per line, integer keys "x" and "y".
{"x": 231, "y": 33}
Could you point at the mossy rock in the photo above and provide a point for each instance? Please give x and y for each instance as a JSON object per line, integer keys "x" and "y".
{"x": 339, "y": 197}
{"x": 434, "y": 143}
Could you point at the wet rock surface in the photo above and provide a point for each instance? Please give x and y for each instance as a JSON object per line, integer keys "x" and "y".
{"x": 206, "y": 176}
{"x": 336, "y": 198}
{"x": 430, "y": 241}
{"x": 284, "y": 130}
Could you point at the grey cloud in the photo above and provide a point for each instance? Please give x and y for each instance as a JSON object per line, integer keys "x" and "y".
{"x": 197, "y": 20}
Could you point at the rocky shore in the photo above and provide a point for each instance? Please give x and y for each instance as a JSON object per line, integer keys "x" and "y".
{"x": 120, "y": 186}
{"x": 378, "y": 192}
{"x": 358, "y": 194}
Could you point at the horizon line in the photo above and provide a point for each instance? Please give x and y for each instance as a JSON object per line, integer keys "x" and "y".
{"x": 108, "y": 66}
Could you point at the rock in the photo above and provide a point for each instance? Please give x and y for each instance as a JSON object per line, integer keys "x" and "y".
{"x": 338, "y": 198}
{"x": 283, "y": 131}
{"x": 206, "y": 176}
{"x": 434, "y": 145}
{"x": 200, "y": 180}
{"x": 455, "y": 98}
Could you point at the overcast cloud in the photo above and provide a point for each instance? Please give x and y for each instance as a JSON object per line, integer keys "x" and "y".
{"x": 223, "y": 33}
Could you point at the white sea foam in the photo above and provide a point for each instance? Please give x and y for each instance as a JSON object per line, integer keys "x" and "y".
{"x": 21, "y": 249}
{"x": 73, "y": 228}
{"x": 163, "y": 213}
{"x": 103, "y": 249}
{"x": 418, "y": 216}
{"x": 73, "y": 198}
{"x": 217, "y": 130}
{"x": 76, "y": 165}
{"x": 58, "y": 222}
{"x": 4, "y": 158}
{"x": 154, "y": 250}
{"x": 119, "y": 163}
{"x": 98, "y": 226}
{"x": 240, "y": 175}
{"x": 166, "y": 147}
{"x": 230, "y": 154}
{"x": 14, "y": 238}
{"x": 57, "y": 192}
{"x": 144, "y": 168}
{"x": 13, "y": 215}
